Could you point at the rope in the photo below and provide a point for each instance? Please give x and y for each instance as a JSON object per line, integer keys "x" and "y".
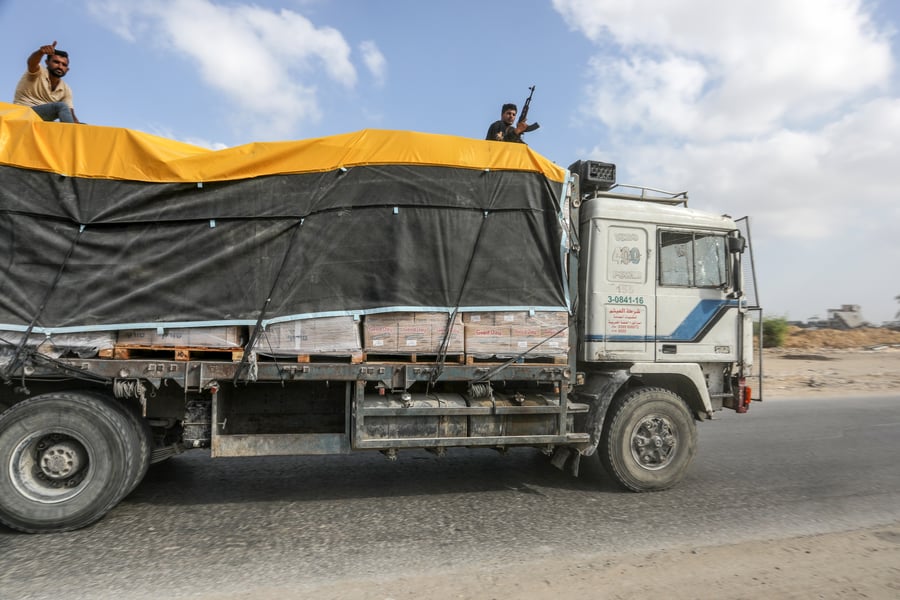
{"x": 445, "y": 343}
{"x": 262, "y": 311}
{"x": 17, "y": 357}
{"x": 487, "y": 376}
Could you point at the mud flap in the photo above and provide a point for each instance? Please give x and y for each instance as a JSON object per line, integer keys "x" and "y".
{"x": 566, "y": 459}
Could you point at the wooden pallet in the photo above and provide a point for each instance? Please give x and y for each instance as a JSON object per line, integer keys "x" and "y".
{"x": 325, "y": 357}
{"x": 127, "y": 352}
{"x": 387, "y": 357}
{"x": 474, "y": 359}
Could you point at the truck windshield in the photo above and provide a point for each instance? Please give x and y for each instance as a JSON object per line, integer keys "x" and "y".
{"x": 692, "y": 259}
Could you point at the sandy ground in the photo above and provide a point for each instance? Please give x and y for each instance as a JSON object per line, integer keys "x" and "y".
{"x": 855, "y": 564}
{"x": 794, "y": 372}
{"x": 859, "y": 564}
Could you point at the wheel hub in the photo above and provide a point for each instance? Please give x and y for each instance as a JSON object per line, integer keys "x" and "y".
{"x": 49, "y": 467}
{"x": 60, "y": 461}
{"x": 653, "y": 442}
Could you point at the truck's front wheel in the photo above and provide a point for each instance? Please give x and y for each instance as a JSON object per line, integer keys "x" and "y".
{"x": 649, "y": 440}
{"x": 65, "y": 460}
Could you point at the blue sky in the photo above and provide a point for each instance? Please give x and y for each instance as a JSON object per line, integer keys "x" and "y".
{"x": 785, "y": 111}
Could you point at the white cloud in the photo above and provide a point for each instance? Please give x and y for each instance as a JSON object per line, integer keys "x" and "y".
{"x": 762, "y": 61}
{"x": 802, "y": 185}
{"x": 776, "y": 106}
{"x": 266, "y": 62}
{"x": 644, "y": 82}
{"x": 374, "y": 61}
{"x": 785, "y": 111}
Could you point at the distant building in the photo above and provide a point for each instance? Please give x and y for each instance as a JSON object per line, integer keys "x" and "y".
{"x": 848, "y": 316}
{"x": 895, "y": 324}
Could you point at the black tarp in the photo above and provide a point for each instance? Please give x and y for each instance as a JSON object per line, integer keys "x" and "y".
{"x": 79, "y": 254}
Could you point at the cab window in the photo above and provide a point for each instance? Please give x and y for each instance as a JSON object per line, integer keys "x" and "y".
{"x": 692, "y": 259}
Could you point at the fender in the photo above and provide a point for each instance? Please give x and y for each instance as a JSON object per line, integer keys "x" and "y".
{"x": 690, "y": 371}
{"x": 601, "y": 387}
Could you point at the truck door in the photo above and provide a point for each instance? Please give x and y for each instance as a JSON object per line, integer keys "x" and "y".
{"x": 696, "y": 321}
{"x": 621, "y": 307}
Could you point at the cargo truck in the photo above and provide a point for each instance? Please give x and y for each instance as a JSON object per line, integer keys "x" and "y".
{"x": 373, "y": 291}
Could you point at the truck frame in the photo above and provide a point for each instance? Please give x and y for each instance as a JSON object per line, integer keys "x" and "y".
{"x": 659, "y": 336}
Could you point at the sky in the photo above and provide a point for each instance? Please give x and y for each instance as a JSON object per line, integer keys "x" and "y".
{"x": 785, "y": 111}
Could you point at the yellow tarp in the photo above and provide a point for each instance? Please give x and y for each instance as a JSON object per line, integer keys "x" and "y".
{"x": 115, "y": 153}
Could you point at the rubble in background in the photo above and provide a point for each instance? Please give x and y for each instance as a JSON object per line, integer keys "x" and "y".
{"x": 863, "y": 337}
{"x": 848, "y": 316}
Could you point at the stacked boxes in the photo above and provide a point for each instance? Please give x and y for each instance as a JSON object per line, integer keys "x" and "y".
{"x": 322, "y": 335}
{"x": 507, "y": 333}
{"x": 187, "y": 337}
{"x": 82, "y": 345}
{"x": 409, "y": 333}
{"x": 487, "y": 340}
{"x": 477, "y": 334}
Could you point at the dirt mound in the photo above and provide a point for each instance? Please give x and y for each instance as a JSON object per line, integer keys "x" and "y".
{"x": 864, "y": 337}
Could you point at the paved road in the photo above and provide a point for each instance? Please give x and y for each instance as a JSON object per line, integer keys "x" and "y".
{"x": 196, "y": 525}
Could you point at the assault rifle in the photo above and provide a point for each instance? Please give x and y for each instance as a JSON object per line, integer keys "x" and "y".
{"x": 524, "y": 114}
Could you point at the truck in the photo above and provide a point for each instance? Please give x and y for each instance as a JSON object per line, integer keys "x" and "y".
{"x": 378, "y": 290}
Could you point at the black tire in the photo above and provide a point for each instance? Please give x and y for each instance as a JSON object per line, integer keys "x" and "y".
{"x": 649, "y": 440}
{"x": 140, "y": 437}
{"x": 65, "y": 461}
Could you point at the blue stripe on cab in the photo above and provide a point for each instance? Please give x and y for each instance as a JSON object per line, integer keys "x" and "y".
{"x": 705, "y": 313}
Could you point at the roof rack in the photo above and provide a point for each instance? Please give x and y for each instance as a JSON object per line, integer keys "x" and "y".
{"x": 661, "y": 196}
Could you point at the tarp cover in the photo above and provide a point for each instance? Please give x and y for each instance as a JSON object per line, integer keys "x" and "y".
{"x": 104, "y": 228}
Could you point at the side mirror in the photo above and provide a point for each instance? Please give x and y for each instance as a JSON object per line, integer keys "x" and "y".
{"x": 737, "y": 245}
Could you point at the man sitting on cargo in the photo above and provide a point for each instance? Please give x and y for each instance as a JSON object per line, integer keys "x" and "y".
{"x": 505, "y": 130}
{"x": 42, "y": 88}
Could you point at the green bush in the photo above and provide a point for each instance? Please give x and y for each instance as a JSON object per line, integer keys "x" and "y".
{"x": 774, "y": 331}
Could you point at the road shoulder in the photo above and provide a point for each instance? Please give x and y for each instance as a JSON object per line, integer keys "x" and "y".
{"x": 863, "y": 563}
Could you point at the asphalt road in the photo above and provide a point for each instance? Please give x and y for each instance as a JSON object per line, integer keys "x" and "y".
{"x": 197, "y": 525}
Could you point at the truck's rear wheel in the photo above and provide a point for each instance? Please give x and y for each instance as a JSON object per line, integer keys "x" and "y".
{"x": 649, "y": 440}
{"x": 139, "y": 437}
{"x": 64, "y": 462}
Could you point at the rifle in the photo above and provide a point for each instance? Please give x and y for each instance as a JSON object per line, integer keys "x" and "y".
{"x": 524, "y": 114}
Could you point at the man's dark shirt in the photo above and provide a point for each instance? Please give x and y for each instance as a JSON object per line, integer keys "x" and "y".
{"x": 501, "y": 132}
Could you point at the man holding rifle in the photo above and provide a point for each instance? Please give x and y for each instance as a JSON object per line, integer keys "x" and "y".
{"x": 504, "y": 130}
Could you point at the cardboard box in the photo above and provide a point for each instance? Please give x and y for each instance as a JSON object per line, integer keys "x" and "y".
{"x": 539, "y": 341}
{"x": 380, "y": 337}
{"x": 411, "y": 332}
{"x": 523, "y": 337}
{"x": 321, "y": 335}
{"x": 557, "y": 319}
{"x": 479, "y": 318}
{"x": 556, "y": 345}
{"x": 507, "y": 333}
{"x": 184, "y": 337}
{"x": 82, "y": 345}
{"x": 489, "y": 340}
{"x": 541, "y": 334}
